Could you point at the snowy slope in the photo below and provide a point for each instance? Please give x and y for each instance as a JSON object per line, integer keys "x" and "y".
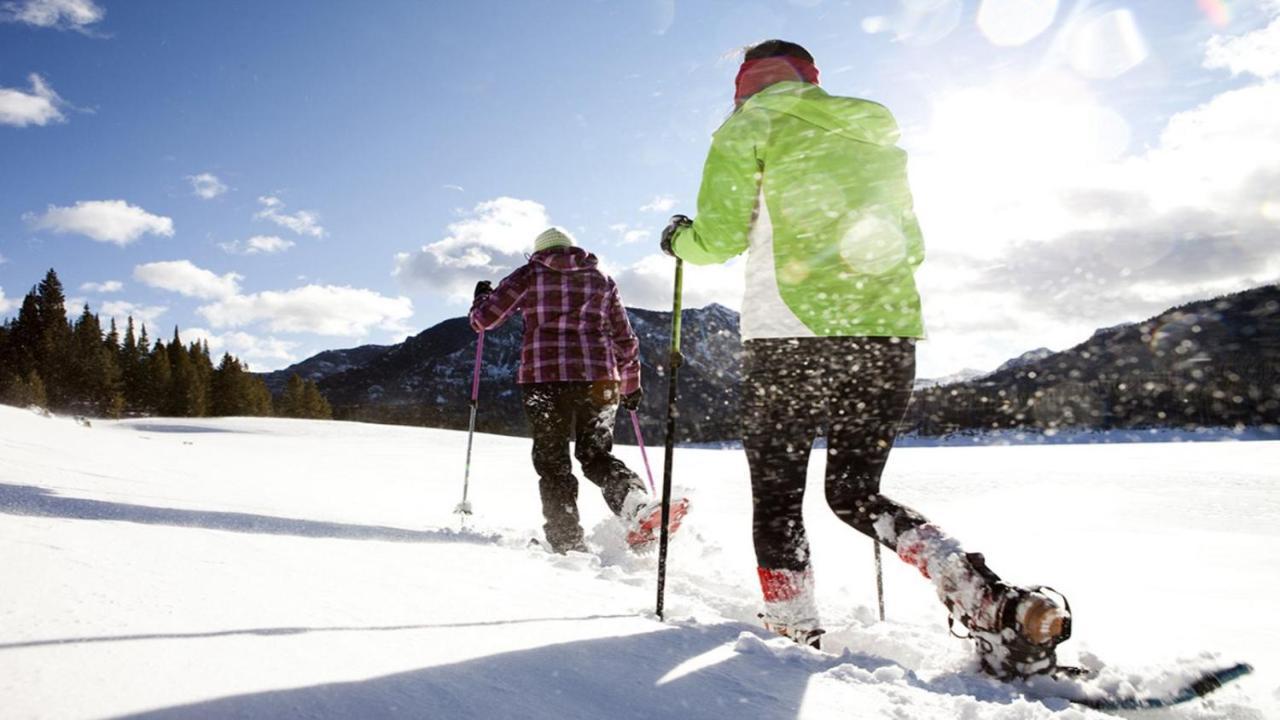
{"x": 299, "y": 569}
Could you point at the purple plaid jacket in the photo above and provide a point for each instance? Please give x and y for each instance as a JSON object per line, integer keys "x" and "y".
{"x": 575, "y": 327}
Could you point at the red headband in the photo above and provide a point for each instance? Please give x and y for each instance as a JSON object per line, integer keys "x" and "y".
{"x": 756, "y": 75}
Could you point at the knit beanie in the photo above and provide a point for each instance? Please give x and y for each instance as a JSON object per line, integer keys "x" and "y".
{"x": 552, "y": 237}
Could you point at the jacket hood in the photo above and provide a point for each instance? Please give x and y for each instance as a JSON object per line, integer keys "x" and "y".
{"x": 853, "y": 118}
{"x": 565, "y": 259}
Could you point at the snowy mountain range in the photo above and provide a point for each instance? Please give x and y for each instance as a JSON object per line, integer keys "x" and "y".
{"x": 1207, "y": 363}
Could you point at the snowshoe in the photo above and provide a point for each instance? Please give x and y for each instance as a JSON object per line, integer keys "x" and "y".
{"x": 645, "y": 528}
{"x": 802, "y": 633}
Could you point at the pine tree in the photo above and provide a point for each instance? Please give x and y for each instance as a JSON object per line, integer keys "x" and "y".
{"x": 314, "y": 403}
{"x": 230, "y": 389}
{"x": 159, "y": 378}
{"x": 131, "y": 366}
{"x": 293, "y": 402}
{"x": 52, "y": 350}
{"x": 182, "y": 398}
{"x": 260, "y": 401}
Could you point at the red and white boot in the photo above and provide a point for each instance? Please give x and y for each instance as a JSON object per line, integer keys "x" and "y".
{"x": 790, "y": 608}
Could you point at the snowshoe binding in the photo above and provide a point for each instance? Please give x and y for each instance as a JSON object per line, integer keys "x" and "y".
{"x": 1030, "y": 624}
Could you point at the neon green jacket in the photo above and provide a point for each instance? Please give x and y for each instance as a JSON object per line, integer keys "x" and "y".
{"x": 815, "y": 188}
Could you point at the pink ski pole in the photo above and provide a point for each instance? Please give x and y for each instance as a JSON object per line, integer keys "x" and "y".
{"x": 635, "y": 426}
{"x": 464, "y": 507}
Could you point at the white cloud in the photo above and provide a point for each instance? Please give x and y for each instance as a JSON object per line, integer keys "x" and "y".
{"x": 1255, "y": 53}
{"x": 320, "y": 309}
{"x": 660, "y": 204}
{"x": 262, "y": 354}
{"x": 8, "y": 304}
{"x": 648, "y": 283}
{"x": 1037, "y": 244}
{"x": 206, "y": 185}
{"x": 109, "y": 286}
{"x": 628, "y": 235}
{"x": 122, "y": 310}
{"x": 113, "y": 221}
{"x": 303, "y": 222}
{"x": 485, "y": 245}
{"x": 185, "y": 278}
{"x": 258, "y": 244}
{"x": 41, "y": 106}
{"x": 60, "y": 14}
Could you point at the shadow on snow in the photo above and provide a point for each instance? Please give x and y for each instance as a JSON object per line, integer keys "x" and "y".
{"x": 278, "y": 631}
{"x": 32, "y": 501}
{"x": 623, "y": 678}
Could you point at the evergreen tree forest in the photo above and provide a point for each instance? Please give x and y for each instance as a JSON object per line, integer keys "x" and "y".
{"x": 49, "y": 360}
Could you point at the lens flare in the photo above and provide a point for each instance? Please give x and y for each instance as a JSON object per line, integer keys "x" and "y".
{"x": 1217, "y": 11}
{"x": 1108, "y": 45}
{"x": 1015, "y": 22}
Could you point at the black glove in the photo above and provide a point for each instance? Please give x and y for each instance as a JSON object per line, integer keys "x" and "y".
{"x": 483, "y": 289}
{"x": 631, "y": 401}
{"x": 669, "y": 233}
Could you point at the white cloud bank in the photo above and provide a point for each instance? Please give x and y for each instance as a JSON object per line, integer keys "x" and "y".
{"x": 113, "y": 221}
{"x": 206, "y": 185}
{"x": 258, "y": 245}
{"x": 8, "y": 305}
{"x": 649, "y": 282}
{"x": 185, "y": 278}
{"x": 110, "y": 286}
{"x": 1032, "y": 242}
{"x": 659, "y": 204}
{"x": 59, "y": 14}
{"x": 486, "y": 244}
{"x": 303, "y": 222}
{"x": 143, "y": 315}
{"x": 262, "y": 354}
{"x": 1255, "y": 53}
{"x": 40, "y": 106}
{"x": 320, "y": 309}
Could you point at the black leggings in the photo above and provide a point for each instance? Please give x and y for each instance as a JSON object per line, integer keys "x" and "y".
{"x": 854, "y": 390}
{"x": 583, "y": 412}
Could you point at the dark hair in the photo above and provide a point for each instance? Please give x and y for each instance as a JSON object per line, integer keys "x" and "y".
{"x": 777, "y": 48}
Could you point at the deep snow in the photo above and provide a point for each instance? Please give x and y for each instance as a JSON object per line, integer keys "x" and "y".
{"x": 278, "y": 568}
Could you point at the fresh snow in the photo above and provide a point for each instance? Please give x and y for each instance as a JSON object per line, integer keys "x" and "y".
{"x": 181, "y": 568}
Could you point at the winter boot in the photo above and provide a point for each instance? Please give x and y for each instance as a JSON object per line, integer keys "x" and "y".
{"x": 790, "y": 609}
{"x": 643, "y": 518}
{"x": 1016, "y": 630}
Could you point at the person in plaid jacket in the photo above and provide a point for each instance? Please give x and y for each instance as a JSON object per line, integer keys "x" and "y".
{"x": 579, "y": 360}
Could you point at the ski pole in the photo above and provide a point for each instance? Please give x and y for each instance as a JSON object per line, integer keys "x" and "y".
{"x": 464, "y": 507}
{"x": 635, "y": 426}
{"x": 879, "y": 579}
{"x": 673, "y": 365}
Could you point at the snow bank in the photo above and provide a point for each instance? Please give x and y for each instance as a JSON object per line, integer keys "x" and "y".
{"x": 283, "y": 568}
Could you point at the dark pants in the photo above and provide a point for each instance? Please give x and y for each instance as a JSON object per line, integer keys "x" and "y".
{"x": 585, "y": 413}
{"x": 853, "y": 389}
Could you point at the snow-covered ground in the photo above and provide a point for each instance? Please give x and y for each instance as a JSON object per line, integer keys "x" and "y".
{"x": 297, "y": 569}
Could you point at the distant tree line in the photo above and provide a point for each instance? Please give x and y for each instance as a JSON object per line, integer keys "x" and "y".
{"x": 50, "y": 361}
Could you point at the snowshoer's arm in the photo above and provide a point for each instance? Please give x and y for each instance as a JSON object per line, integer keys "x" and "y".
{"x": 490, "y": 311}
{"x": 727, "y": 200}
{"x": 626, "y": 346}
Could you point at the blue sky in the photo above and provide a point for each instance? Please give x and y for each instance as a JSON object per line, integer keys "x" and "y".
{"x": 283, "y": 180}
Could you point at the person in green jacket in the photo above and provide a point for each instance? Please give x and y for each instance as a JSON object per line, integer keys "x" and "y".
{"x": 814, "y": 189}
